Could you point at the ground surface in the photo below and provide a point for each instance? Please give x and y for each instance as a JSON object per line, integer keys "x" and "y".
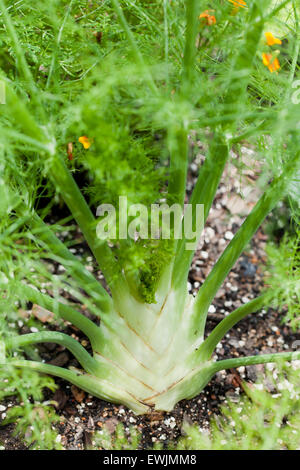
{"x": 264, "y": 332}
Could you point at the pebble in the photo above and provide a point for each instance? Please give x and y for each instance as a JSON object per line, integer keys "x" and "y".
{"x": 229, "y": 235}
{"x": 2, "y": 408}
{"x": 212, "y": 309}
{"x": 194, "y": 168}
{"x": 33, "y": 329}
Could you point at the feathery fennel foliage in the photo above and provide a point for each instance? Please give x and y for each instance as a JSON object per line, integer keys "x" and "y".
{"x": 261, "y": 420}
{"x": 284, "y": 277}
{"x": 135, "y": 88}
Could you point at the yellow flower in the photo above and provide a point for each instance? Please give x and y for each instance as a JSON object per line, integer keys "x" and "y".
{"x": 209, "y": 19}
{"x": 271, "y": 40}
{"x": 85, "y": 141}
{"x": 273, "y": 65}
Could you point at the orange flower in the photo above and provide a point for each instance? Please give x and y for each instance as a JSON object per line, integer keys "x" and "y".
{"x": 271, "y": 40}
{"x": 239, "y": 3}
{"x": 209, "y": 19}
{"x": 85, "y": 141}
{"x": 273, "y": 65}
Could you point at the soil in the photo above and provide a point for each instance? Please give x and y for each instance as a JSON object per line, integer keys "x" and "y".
{"x": 264, "y": 332}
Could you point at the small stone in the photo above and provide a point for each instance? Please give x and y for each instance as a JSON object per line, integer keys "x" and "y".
{"x": 42, "y": 314}
{"x": 229, "y": 235}
{"x": 78, "y": 394}
{"x": 33, "y": 329}
{"x": 194, "y": 168}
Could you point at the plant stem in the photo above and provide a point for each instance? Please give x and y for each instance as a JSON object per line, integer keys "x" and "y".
{"x": 166, "y": 33}
{"x": 178, "y": 166}
{"x": 86, "y": 221}
{"x": 204, "y": 192}
{"x": 45, "y": 368}
{"x": 83, "y": 357}
{"x": 232, "y": 252}
{"x": 190, "y": 46}
{"x": 179, "y": 148}
{"x": 76, "y": 269}
{"x": 91, "y": 384}
{"x": 239, "y": 78}
{"x": 259, "y": 359}
{"x": 90, "y": 329}
{"x": 207, "y": 348}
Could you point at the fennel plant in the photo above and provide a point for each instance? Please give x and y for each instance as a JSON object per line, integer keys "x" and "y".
{"x": 140, "y": 103}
